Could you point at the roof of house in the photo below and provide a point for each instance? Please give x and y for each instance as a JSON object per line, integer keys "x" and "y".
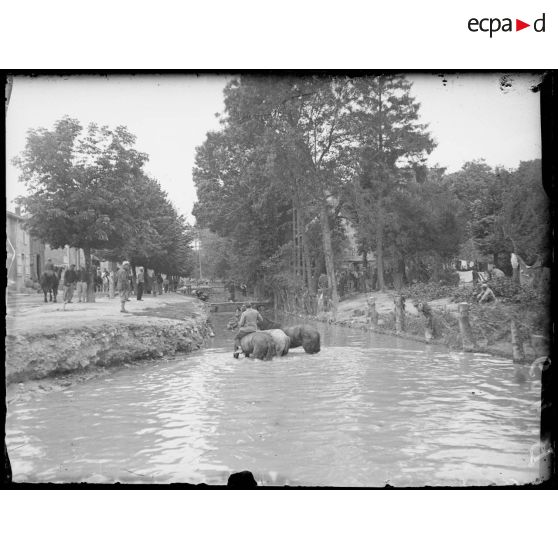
{"x": 16, "y": 216}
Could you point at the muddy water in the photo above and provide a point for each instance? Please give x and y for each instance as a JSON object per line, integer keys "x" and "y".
{"x": 366, "y": 411}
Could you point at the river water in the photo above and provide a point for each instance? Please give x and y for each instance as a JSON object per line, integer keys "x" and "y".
{"x": 367, "y": 410}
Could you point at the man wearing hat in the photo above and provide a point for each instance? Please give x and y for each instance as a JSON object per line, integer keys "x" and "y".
{"x": 123, "y": 284}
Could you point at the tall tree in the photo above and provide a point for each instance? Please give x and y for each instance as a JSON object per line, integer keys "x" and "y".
{"x": 391, "y": 140}
{"x": 87, "y": 188}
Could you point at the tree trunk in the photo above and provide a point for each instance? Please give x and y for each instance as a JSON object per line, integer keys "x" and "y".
{"x": 399, "y": 303}
{"x": 293, "y": 231}
{"x": 90, "y": 276}
{"x": 399, "y": 273}
{"x": 495, "y": 257}
{"x": 112, "y": 279}
{"x": 380, "y": 285}
{"x": 305, "y": 252}
{"x": 328, "y": 253}
{"x": 307, "y": 263}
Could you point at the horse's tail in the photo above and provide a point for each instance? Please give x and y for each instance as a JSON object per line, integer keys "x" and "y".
{"x": 287, "y": 346}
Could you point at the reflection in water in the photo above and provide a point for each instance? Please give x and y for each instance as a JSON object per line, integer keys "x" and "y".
{"x": 367, "y": 410}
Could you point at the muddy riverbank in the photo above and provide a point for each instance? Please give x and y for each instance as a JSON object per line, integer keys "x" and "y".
{"x": 45, "y": 340}
{"x": 352, "y": 313}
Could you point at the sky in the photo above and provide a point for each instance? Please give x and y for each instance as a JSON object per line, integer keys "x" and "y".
{"x": 470, "y": 116}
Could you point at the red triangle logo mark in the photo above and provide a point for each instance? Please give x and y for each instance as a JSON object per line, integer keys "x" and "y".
{"x": 519, "y": 25}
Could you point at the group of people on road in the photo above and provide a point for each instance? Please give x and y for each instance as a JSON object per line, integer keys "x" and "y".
{"x": 76, "y": 281}
{"x": 155, "y": 284}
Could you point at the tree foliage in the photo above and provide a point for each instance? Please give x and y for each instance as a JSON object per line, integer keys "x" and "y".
{"x": 87, "y": 188}
{"x": 297, "y": 157}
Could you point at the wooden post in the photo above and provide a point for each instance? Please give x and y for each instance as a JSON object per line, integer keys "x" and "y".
{"x": 465, "y": 326}
{"x": 399, "y": 302}
{"x": 372, "y": 314}
{"x": 517, "y": 345}
{"x": 320, "y": 303}
{"x": 426, "y": 311}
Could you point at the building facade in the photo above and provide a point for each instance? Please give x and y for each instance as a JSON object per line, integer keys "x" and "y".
{"x": 64, "y": 257}
{"x": 25, "y": 255}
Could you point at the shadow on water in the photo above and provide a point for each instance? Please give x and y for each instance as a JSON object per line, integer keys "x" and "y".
{"x": 365, "y": 411}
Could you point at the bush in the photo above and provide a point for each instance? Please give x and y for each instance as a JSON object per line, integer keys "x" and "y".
{"x": 28, "y": 283}
{"x": 432, "y": 291}
{"x": 507, "y": 290}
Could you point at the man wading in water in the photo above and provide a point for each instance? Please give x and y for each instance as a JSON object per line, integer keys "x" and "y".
{"x": 249, "y": 321}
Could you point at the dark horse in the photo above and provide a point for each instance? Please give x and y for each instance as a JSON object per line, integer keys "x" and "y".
{"x": 49, "y": 285}
{"x": 300, "y": 335}
{"x": 304, "y": 335}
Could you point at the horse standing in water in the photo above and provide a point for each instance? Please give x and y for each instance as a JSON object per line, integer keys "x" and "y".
{"x": 49, "y": 284}
{"x": 303, "y": 335}
{"x": 260, "y": 344}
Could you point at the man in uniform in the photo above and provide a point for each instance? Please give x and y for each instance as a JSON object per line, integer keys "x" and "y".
{"x": 249, "y": 321}
{"x": 141, "y": 281}
{"x": 70, "y": 280}
{"x": 123, "y": 284}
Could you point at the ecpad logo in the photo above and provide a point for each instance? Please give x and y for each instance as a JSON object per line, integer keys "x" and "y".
{"x": 493, "y": 25}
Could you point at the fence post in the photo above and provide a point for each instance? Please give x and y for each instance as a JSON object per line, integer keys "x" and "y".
{"x": 426, "y": 311}
{"x": 372, "y": 314}
{"x": 517, "y": 344}
{"x": 399, "y": 302}
{"x": 465, "y": 326}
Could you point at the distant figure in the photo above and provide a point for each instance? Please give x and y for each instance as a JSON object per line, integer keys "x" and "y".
{"x": 81, "y": 285}
{"x": 153, "y": 284}
{"x": 106, "y": 281}
{"x": 148, "y": 282}
{"x": 243, "y": 289}
{"x": 486, "y": 294}
{"x": 159, "y": 283}
{"x": 49, "y": 266}
{"x": 141, "y": 281}
{"x": 70, "y": 280}
{"x": 232, "y": 291}
{"x": 123, "y": 284}
{"x": 98, "y": 281}
{"x": 166, "y": 284}
{"x": 249, "y": 321}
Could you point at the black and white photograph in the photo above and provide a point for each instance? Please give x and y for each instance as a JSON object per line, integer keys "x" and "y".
{"x": 277, "y": 279}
